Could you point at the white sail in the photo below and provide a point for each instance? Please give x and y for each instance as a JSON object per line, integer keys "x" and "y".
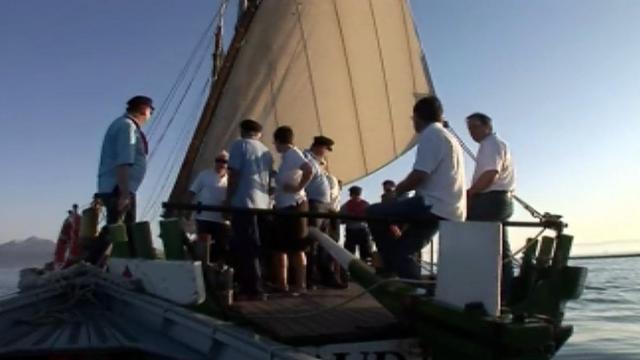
{"x": 347, "y": 69}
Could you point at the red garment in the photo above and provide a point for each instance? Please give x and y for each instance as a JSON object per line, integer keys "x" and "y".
{"x": 74, "y": 247}
{"x": 356, "y": 207}
{"x": 68, "y": 244}
{"x": 64, "y": 239}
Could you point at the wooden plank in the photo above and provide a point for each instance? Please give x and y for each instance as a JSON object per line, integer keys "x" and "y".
{"x": 297, "y": 320}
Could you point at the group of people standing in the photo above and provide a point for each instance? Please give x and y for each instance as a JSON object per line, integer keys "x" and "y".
{"x": 245, "y": 178}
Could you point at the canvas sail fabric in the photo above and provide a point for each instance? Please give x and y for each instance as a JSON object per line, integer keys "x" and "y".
{"x": 347, "y": 69}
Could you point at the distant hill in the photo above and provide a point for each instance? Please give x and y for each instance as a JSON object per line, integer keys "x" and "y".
{"x": 32, "y": 251}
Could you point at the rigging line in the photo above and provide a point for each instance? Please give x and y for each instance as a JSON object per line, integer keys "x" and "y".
{"x": 535, "y": 213}
{"x": 168, "y": 98}
{"x": 384, "y": 77}
{"x": 308, "y": 63}
{"x": 152, "y": 155}
{"x": 174, "y": 171}
{"x": 164, "y": 112}
{"x": 353, "y": 90}
{"x": 156, "y": 193}
{"x": 173, "y": 116}
{"x": 174, "y": 154}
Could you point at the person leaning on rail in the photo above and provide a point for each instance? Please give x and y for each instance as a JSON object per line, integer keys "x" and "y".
{"x": 493, "y": 182}
{"x": 438, "y": 180}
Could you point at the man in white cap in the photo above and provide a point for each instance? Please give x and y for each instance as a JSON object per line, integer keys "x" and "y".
{"x": 210, "y": 188}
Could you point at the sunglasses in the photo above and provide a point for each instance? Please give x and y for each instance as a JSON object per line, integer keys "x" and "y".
{"x": 222, "y": 161}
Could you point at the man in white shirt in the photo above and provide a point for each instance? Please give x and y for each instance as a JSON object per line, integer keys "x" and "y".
{"x": 438, "y": 181}
{"x": 489, "y": 197}
{"x": 210, "y": 188}
{"x": 291, "y": 238}
{"x": 319, "y": 196}
{"x": 250, "y": 168}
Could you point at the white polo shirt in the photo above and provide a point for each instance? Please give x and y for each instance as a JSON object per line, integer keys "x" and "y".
{"x": 440, "y": 156}
{"x": 493, "y": 154}
{"x": 289, "y": 173}
{"x": 210, "y": 189}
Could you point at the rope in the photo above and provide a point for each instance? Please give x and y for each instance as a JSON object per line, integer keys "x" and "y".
{"x": 158, "y": 187}
{"x": 180, "y": 78}
{"x": 342, "y": 303}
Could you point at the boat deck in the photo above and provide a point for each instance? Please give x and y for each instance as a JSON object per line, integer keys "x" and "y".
{"x": 320, "y": 317}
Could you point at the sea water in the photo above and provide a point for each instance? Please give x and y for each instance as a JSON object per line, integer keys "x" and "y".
{"x": 606, "y": 318}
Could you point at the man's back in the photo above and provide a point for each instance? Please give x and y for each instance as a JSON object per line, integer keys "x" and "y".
{"x": 251, "y": 163}
{"x": 441, "y": 157}
{"x": 122, "y": 145}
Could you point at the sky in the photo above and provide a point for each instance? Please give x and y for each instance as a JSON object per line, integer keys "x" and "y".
{"x": 561, "y": 80}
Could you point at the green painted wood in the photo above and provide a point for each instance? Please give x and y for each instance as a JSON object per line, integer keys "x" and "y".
{"x": 143, "y": 241}
{"x": 530, "y": 251}
{"x": 88, "y": 228}
{"x": 546, "y": 251}
{"x": 119, "y": 241}
{"x": 562, "y": 252}
{"x": 172, "y": 236}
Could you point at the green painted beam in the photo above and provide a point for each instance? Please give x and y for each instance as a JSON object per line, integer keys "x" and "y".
{"x": 172, "y": 236}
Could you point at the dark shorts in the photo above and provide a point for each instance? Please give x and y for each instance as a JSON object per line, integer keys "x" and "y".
{"x": 219, "y": 236}
{"x": 290, "y": 233}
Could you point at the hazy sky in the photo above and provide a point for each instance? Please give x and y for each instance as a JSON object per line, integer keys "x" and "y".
{"x": 560, "y": 78}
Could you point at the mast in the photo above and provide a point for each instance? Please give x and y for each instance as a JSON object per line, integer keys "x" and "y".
{"x": 221, "y": 76}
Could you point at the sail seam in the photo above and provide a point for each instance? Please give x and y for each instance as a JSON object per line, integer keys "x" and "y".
{"x": 308, "y": 61}
{"x": 423, "y": 58}
{"x": 384, "y": 77}
{"x": 407, "y": 38}
{"x": 274, "y": 104}
{"x": 353, "y": 91}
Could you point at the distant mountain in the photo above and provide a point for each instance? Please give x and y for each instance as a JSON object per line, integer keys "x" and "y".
{"x": 32, "y": 251}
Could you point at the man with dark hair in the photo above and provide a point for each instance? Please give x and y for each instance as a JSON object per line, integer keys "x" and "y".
{"x": 438, "y": 180}
{"x": 489, "y": 197}
{"x": 123, "y": 163}
{"x": 250, "y": 166}
{"x": 291, "y": 238}
{"x": 356, "y": 232}
{"x": 319, "y": 197}
{"x": 388, "y": 191}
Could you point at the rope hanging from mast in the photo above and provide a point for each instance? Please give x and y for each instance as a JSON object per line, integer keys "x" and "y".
{"x": 161, "y": 182}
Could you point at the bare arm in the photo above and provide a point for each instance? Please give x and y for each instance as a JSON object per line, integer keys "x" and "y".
{"x": 411, "y": 182}
{"x": 484, "y": 181}
{"x": 307, "y": 173}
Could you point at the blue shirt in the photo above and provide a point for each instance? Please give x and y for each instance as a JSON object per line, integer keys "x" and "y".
{"x": 251, "y": 163}
{"x": 318, "y": 188}
{"x": 123, "y": 144}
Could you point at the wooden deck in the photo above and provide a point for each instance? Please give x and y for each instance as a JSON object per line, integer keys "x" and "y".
{"x": 313, "y": 319}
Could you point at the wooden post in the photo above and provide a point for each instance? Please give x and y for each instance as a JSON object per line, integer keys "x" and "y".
{"x": 119, "y": 241}
{"x": 89, "y": 227}
{"x": 142, "y": 240}
{"x": 173, "y": 239}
